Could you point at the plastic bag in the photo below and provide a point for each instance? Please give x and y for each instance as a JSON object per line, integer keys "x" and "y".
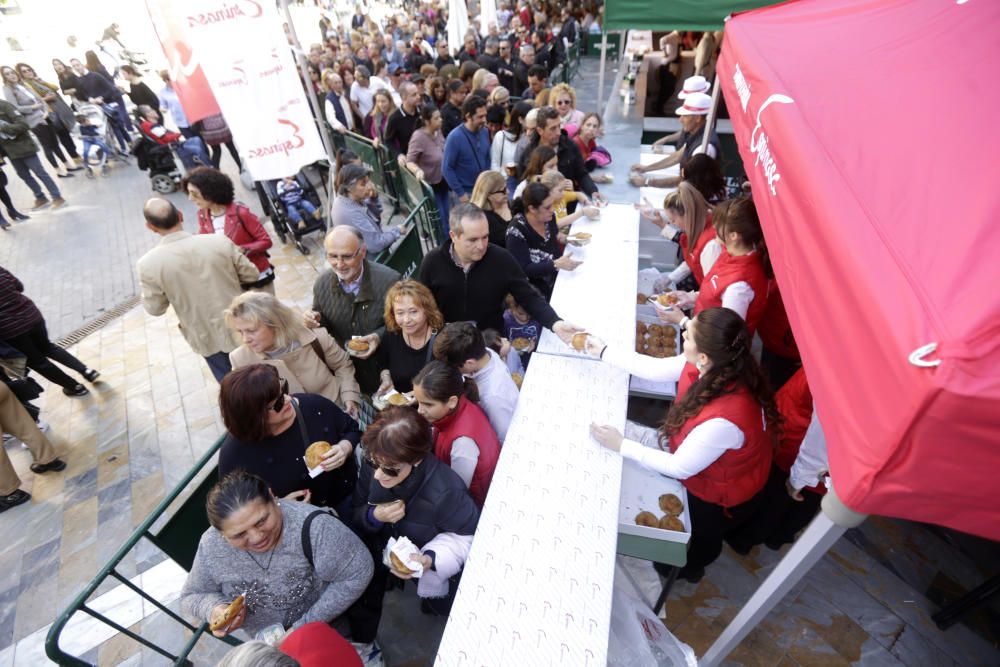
{"x": 638, "y": 637}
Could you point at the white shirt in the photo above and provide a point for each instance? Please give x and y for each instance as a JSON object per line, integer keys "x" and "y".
{"x": 709, "y": 254}
{"x": 331, "y": 114}
{"x": 364, "y": 97}
{"x": 502, "y": 151}
{"x": 464, "y": 458}
{"x": 703, "y": 445}
{"x": 497, "y": 393}
{"x": 812, "y": 458}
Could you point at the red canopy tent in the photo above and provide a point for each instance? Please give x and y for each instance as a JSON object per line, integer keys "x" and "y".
{"x": 868, "y": 131}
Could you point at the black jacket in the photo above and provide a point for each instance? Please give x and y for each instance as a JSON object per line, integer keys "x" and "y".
{"x": 571, "y": 163}
{"x": 436, "y": 498}
{"x": 489, "y": 62}
{"x": 505, "y": 73}
{"x": 451, "y": 117}
{"x": 479, "y": 294}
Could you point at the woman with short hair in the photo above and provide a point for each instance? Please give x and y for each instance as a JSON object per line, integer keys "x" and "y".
{"x": 259, "y": 547}
{"x": 563, "y": 99}
{"x": 219, "y": 213}
{"x": 309, "y": 359}
{"x": 412, "y": 320}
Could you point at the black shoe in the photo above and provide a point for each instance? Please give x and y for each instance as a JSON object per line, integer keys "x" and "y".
{"x": 53, "y": 465}
{"x": 17, "y": 215}
{"x": 19, "y": 497}
{"x": 4, "y": 225}
{"x": 693, "y": 575}
{"x": 740, "y": 548}
{"x": 74, "y": 168}
{"x": 774, "y": 545}
{"x": 66, "y": 175}
{"x": 91, "y": 375}
{"x": 77, "y": 390}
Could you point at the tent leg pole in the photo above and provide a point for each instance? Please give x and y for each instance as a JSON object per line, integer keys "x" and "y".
{"x": 600, "y": 77}
{"x": 817, "y": 538}
{"x": 712, "y": 115}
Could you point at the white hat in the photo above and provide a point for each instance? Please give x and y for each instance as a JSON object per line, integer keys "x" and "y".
{"x": 695, "y": 104}
{"x": 694, "y": 84}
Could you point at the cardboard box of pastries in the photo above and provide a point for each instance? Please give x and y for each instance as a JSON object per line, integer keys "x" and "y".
{"x": 641, "y": 492}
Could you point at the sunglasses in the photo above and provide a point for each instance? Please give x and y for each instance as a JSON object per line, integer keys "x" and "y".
{"x": 499, "y": 192}
{"x": 279, "y": 403}
{"x": 391, "y": 472}
{"x": 560, "y": 103}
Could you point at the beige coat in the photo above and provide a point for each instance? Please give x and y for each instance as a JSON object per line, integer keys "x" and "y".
{"x": 199, "y": 276}
{"x": 331, "y": 377}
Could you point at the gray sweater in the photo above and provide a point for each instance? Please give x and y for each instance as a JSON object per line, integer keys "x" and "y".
{"x": 289, "y": 592}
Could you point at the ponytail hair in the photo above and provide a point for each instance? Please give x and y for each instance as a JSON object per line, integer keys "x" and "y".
{"x": 740, "y": 215}
{"x": 721, "y": 335}
{"x": 440, "y": 382}
{"x": 234, "y": 491}
{"x": 427, "y": 112}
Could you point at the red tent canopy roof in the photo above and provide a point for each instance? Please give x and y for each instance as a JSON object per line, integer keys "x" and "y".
{"x": 868, "y": 130}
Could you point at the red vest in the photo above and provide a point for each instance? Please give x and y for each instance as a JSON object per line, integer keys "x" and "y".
{"x": 795, "y": 404}
{"x": 728, "y": 270}
{"x": 774, "y": 329}
{"x": 469, "y": 421}
{"x": 739, "y": 474}
{"x": 693, "y": 256}
{"x": 688, "y": 376}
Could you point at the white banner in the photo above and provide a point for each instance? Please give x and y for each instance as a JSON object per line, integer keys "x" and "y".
{"x": 242, "y": 49}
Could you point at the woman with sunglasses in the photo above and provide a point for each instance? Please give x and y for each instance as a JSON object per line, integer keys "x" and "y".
{"x": 61, "y": 117}
{"x": 270, "y": 430}
{"x": 404, "y": 491}
{"x": 256, "y": 547}
{"x": 490, "y": 194}
{"x": 563, "y": 98}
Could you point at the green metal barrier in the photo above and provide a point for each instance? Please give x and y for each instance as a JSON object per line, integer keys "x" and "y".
{"x": 418, "y": 195}
{"x": 379, "y": 161}
{"x": 572, "y": 66}
{"x": 406, "y": 256}
{"x": 178, "y": 538}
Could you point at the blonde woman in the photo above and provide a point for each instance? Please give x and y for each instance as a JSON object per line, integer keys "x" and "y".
{"x": 308, "y": 359}
{"x": 686, "y": 219}
{"x": 563, "y": 98}
{"x": 490, "y": 194}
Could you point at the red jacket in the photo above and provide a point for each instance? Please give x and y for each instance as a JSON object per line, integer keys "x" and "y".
{"x": 739, "y": 474}
{"x": 316, "y": 644}
{"x": 688, "y": 376}
{"x": 158, "y": 133}
{"x": 795, "y": 404}
{"x": 470, "y": 421}
{"x": 693, "y": 255}
{"x": 242, "y": 228}
{"x": 728, "y": 270}
{"x": 774, "y": 329}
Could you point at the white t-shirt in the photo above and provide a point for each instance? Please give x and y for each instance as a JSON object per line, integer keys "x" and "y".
{"x": 497, "y": 393}
{"x": 364, "y": 97}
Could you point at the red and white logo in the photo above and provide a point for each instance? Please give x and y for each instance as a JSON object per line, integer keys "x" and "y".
{"x": 284, "y": 147}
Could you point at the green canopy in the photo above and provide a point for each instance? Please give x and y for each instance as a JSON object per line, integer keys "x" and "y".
{"x": 673, "y": 14}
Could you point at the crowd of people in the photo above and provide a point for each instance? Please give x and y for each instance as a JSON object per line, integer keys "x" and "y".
{"x": 376, "y": 418}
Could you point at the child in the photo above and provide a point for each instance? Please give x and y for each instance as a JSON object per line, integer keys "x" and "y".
{"x": 91, "y": 137}
{"x": 501, "y": 346}
{"x": 464, "y": 439}
{"x": 291, "y": 195}
{"x": 520, "y": 329}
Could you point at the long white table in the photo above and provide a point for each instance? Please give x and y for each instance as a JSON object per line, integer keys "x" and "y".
{"x": 537, "y": 586}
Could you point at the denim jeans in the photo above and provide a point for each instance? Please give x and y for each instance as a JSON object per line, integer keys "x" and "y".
{"x": 219, "y": 364}
{"x": 24, "y": 166}
{"x": 191, "y": 149}
{"x": 295, "y": 210}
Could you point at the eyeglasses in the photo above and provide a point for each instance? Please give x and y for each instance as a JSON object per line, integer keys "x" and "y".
{"x": 390, "y": 471}
{"x": 499, "y": 192}
{"x": 279, "y": 403}
{"x": 343, "y": 258}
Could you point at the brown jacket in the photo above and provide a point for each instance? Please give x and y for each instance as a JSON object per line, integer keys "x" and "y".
{"x": 331, "y": 377}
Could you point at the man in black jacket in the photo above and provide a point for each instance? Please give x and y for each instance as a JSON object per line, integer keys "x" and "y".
{"x": 505, "y": 67}
{"x": 489, "y": 58}
{"x": 469, "y": 277}
{"x": 568, "y": 154}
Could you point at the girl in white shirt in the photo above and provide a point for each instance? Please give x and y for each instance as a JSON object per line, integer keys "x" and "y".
{"x": 713, "y": 439}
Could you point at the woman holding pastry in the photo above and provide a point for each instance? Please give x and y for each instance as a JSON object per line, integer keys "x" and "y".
{"x": 404, "y": 491}
{"x": 252, "y": 571}
{"x": 309, "y": 359}
{"x": 463, "y": 436}
{"x": 412, "y": 320}
{"x": 532, "y": 238}
{"x": 302, "y": 446}
{"x": 717, "y": 437}
{"x": 737, "y": 280}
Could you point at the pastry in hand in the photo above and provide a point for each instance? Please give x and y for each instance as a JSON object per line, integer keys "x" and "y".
{"x": 232, "y": 611}
{"x": 579, "y": 341}
{"x": 399, "y": 565}
{"x": 358, "y": 345}
{"x": 671, "y": 504}
{"x": 316, "y": 452}
{"x": 399, "y": 399}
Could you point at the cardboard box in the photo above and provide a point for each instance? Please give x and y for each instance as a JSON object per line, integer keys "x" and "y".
{"x": 641, "y": 490}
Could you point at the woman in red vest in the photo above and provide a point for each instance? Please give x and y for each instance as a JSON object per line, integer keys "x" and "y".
{"x": 713, "y": 439}
{"x": 463, "y": 437}
{"x": 738, "y": 279}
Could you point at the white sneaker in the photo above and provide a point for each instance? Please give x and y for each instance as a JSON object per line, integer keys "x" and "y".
{"x": 370, "y": 654}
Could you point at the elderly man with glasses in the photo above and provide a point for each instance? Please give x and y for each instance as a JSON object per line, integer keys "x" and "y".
{"x": 349, "y": 299}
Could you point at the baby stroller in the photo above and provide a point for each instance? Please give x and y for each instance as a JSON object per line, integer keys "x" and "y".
{"x": 101, "y": 119}
{"x": 150, "y": 156}
{"x": 283, "y": 224}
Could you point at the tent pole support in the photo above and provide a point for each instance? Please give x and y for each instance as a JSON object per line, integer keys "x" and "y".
{"x": 712, "y": 114}
{"x": 600, "y": 78}
{"x": 817, "y": 538}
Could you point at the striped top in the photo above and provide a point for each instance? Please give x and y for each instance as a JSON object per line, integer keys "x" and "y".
{"x": 18, "y": 313}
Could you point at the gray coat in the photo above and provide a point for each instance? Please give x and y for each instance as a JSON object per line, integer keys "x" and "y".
{"x": 24, "y": 100}
{"x": 57, "y": 106}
